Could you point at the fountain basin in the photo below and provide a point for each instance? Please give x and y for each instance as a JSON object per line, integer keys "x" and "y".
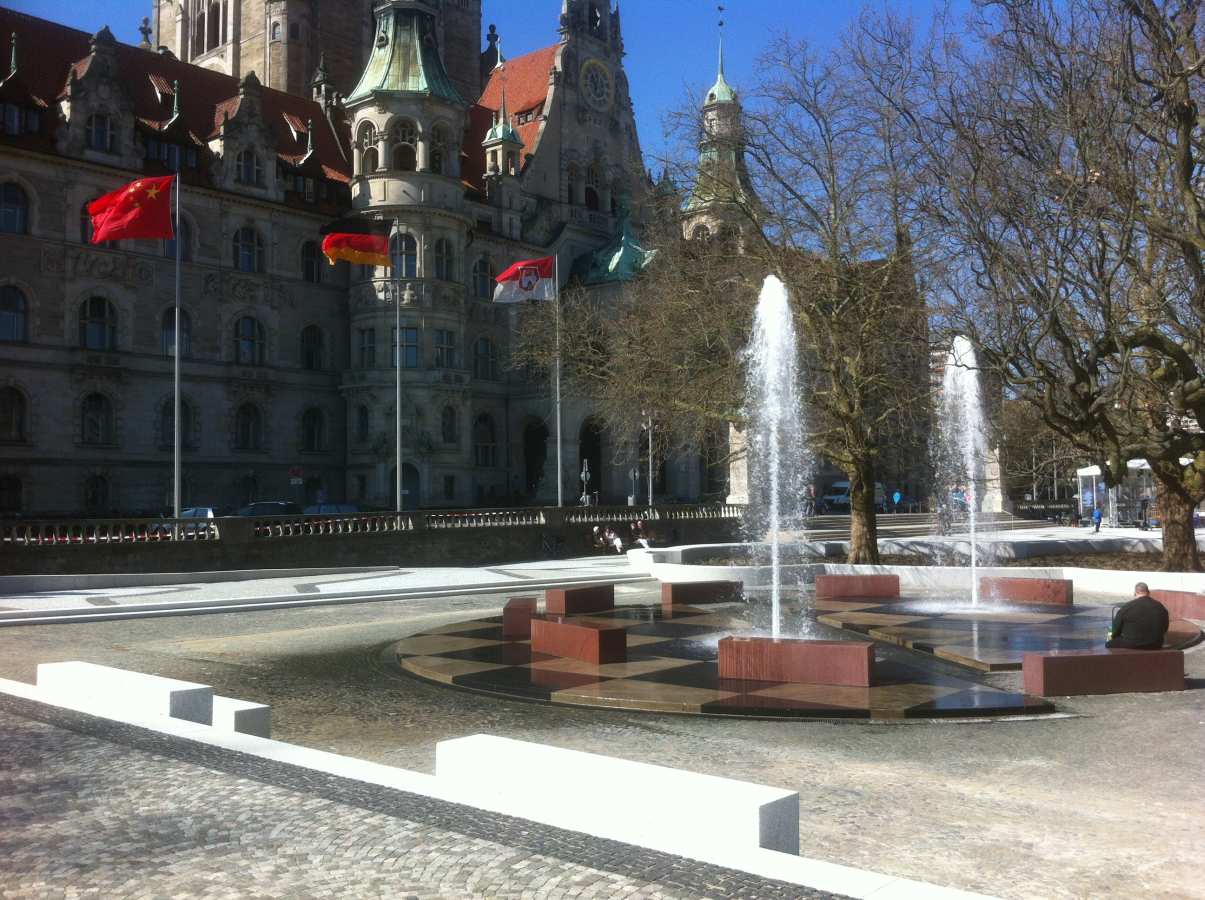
{"x": 797, "y": 661}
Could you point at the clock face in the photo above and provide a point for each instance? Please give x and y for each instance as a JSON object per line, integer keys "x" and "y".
{"x": 596, "y": 84}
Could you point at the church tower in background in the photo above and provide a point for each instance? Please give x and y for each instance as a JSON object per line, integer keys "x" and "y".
{"x": 283, "y": 41}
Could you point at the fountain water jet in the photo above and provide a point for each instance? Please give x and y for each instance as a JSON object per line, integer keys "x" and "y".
{"x": 962, "y": 433}
{"x": 777, "y": 460}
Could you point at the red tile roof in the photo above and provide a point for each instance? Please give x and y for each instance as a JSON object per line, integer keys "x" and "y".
{"x": 47, "y": 52}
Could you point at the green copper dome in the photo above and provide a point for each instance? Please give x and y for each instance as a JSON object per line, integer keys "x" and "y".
{"x": 405, "y": 58}
{"x": 721, "y": 91}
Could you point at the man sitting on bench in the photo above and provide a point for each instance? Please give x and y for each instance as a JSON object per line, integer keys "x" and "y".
{"x": 1140, "y": 624}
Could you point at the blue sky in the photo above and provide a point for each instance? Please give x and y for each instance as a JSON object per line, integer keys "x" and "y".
{"x": 671, "y": 44}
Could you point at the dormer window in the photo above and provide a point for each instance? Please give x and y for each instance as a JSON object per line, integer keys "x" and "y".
{"x": 248, "y": 169}
{"x": 100, "y": 134}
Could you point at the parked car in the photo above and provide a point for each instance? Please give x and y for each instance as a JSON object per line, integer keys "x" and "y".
{"x": 836, "y": 499}
{"x": 331, "y": 509}
{"x": 270, "y": 508}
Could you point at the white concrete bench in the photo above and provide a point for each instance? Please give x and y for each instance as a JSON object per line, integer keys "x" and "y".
{"x": 242, "y": 716}
{"x": 119, "y": 690}
{"x": 618, "y": 799}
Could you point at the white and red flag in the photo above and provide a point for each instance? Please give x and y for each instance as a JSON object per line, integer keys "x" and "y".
{"x": 528, "y": 279}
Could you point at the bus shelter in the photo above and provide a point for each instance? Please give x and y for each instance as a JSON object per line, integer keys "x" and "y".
{"x": 1131, "y": 503}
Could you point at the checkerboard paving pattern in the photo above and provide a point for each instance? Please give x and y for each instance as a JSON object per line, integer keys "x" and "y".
{"x": 987, "y": 639}
{"x": 672, "y": 667}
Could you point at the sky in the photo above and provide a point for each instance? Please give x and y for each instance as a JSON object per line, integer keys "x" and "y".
{"x": 671, "y": 44}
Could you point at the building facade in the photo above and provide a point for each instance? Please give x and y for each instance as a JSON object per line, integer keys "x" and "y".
{"x": 280, "y": 116}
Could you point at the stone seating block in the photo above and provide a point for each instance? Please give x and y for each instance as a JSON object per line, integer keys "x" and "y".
{"x": 692, "y": 593}
{"x": 1074, "y": 672}
{"x": 837, "y": 587}
{"x": 242, "y": 717}
{"x": 516, "y": 618}
{"x": 127, "y": 693}
{"x": 592, "y": 642}
{"x": 1049, "y": 591}
{"x": 617, "y": 799}
{"x": 1181, "y": 604}
{"x": 797, "y": 660}
{"x": 575, "y": 601}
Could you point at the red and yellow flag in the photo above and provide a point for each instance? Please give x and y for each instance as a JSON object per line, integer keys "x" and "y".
{"x": 141, "y": 209}
{"x": 355, "y": 240}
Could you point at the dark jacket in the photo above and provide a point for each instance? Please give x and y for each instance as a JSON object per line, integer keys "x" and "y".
{"x": 1140, "y": 624}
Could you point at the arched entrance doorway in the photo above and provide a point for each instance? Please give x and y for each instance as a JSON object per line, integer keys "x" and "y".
{"x": 535, "y": 455}
{"x": 590, "y": 452}
{"x": 409, "y": 485}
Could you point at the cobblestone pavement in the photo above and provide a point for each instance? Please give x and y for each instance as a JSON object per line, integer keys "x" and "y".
{"x": 82, "y": 815}
{"x": 1098, "y": 805}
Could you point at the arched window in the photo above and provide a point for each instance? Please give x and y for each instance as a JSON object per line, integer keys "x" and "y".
{"x": 14, "y": 315}
{"x": 185, "y": 234}
{"x": 439, "y": 149}
{"x": 311, "y": 264}
{"x": 485, "y": 359}
{"x": 404, "y": 250}
{"x": 96, "y": 420}
{"x": 596, "y": 18}
{"x": 311, "y": 348}
{"x": 444, "y": 260}
{"x": 483, "y": 278}
{"x": 369, "y": 160}
{"x": 248, "y": 428}
{"x": 167, "y": 331}
{"x": 362, "y": 424}
{"x": 447, "y": 426}
{"x": 96, "y": 495}
{"x": 167, "y": 425}
{"x": 14, "y": 209}
{"x": 405, "y": 146}
{"x": 248, "y": 250}
{"x": 248, "y": 169}
{"x": 572, "y": 176}
{"x": 485, "y": 442}
{"x": 248, "y": 342}
{"x": 593, "y": 185}
{"x": 276, "y": 31}
{"x": 99, "y": 133}
{"x": 98, "y": 324}
{"x": 13, "y": 416}
{"x": 313, "y": 430}
{"x": 701, "y": 233}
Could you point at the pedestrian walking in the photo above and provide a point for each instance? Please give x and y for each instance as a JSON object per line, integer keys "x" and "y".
{"x": 1097, "y": 515}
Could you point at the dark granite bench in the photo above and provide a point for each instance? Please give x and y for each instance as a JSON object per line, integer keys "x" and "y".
{"x": 592, "y": 642}
{"x": 1066, "y": 673}
{"x": 577, "y": 600}
{"x": 836, "y": 587}
{"x": 1048, "y": 591}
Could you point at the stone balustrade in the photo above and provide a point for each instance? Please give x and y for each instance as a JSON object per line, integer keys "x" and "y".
{"x": 81, "y": 532}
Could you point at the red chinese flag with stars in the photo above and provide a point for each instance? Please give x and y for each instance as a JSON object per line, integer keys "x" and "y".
{"x": 141, "y": 209}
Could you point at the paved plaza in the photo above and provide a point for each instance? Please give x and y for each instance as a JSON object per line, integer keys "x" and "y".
{"x": 1048, "y": 807}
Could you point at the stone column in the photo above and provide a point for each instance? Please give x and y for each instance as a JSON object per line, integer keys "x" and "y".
{"x": 738, "y": 468}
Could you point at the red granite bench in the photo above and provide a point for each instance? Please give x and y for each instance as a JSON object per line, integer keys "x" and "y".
{"x": 516, "y": 618}
{"x": 836, "y": 587}
{"x": 1073, "y": 672}
{"x": 577, "y": 600}
{"x": 1050, "y": 591}
{"x": 797, "y": 660}
{"x": 689, "y": 593}
{"x": 1182, "y": 604}
{"x": 592, "y": 642}
{"x": 1181, "y": 633}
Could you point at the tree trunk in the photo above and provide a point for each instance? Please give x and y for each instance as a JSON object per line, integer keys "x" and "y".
{"x": 1176, "y": 506}
{"x": 863, "y": 528}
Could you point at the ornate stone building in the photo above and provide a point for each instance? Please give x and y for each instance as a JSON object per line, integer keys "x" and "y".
{"x": 281, "y": 115}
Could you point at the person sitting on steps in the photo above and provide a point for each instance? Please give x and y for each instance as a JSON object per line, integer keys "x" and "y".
{"x": 1140, "y": 624}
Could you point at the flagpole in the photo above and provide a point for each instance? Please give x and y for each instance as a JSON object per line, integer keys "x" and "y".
{"x": 397, "y": 349}
{"x": 177, "y": 420}
{"x": 560, "y": 457}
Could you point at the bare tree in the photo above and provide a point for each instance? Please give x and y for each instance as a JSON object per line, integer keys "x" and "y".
{"x": 1071, "y": 148}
